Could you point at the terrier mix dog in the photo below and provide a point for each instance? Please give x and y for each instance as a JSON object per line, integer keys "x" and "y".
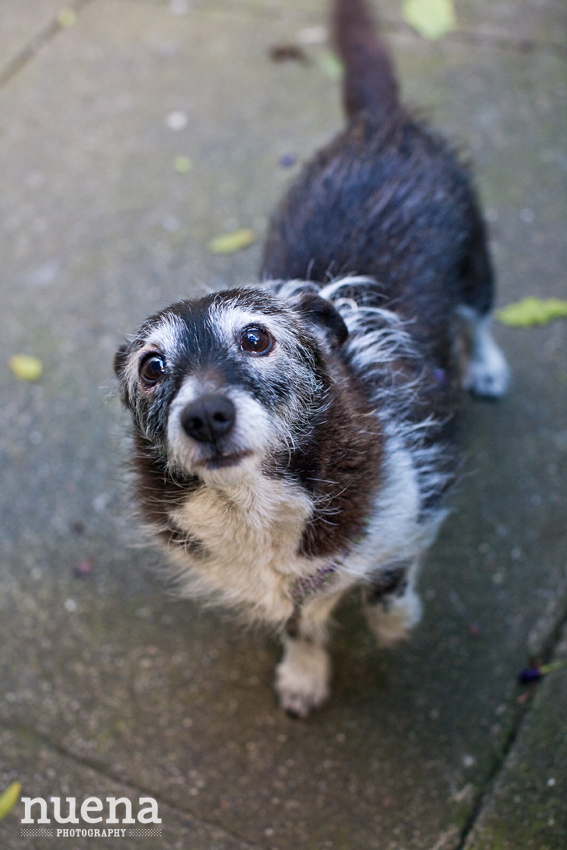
{"x": 294, "y": 440}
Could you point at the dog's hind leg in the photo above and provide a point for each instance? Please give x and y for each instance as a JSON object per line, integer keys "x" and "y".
{"x": 485, "y": 371}
{"x": 303, "y": 674}
{"x": 391, "y": 605}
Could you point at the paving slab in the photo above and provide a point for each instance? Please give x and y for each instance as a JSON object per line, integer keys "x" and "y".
{"x": 21, "y": 22}
{"x": 520, "y": 25}
{"x": 26, "y": 28}
{"x": 98, "y": 231}
{"x": 526, "y": 808}
{"x": 44, "y": 772}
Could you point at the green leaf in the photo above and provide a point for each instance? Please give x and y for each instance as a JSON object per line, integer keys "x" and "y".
{"x": 26, "y": 368}
{"x": 532, "y": 311}
{"x": 430, "y": 18}
{"x": 330, "y": 64}
{"x": 66, "y": 18}
{"x": 9, "y": 798}
{"x": 229, "y": 243}
{"x": 182, "y": 164}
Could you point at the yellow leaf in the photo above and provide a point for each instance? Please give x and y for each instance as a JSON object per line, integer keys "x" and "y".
{"x": 330, "y": 64}
{"x": 26, "y": 368}
{"x": 66, "y": 18}
{"x": 9, "y": 798}
{"x": 430, "y": 18}
{"x": 532, "y": 311}
{"x": 228, "y": 243}
{"x": 182, "y": 164}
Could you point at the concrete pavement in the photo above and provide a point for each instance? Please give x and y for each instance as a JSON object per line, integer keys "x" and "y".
{"x": 107, "y": 686}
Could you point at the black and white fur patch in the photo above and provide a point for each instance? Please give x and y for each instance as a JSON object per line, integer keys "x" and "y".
{"x": 295, "y": 440}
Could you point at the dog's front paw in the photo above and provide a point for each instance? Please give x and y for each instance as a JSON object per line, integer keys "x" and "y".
{"x": 391, "y": 622}
{"x": 302, "y": 678}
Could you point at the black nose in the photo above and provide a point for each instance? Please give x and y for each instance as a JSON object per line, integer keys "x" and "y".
{"x": 208, "y": 418}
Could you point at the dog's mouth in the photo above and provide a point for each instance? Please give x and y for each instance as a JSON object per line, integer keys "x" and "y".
{"x": 223, "y": 460}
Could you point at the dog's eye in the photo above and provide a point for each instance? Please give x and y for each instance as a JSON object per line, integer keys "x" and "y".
{"x": 256, "y": 341}
{"x": 152, "y": 369}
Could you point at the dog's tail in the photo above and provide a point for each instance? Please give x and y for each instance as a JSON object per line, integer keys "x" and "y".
{"x": 369, "y": 80}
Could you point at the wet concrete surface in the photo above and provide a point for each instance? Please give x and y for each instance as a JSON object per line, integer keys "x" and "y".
{"x": 109, "y": 686}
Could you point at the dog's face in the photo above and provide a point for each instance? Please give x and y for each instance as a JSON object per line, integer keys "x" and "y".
{"x": 217, "y": 385}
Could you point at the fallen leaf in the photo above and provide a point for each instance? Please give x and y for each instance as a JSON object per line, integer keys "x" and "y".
{"x": 287, "y": 52}
{"x": 430, "y": 18}
{"x": 330, "y": 64}
{"x": 229, "y": 243}
{"x": 182, "y": 164}
{"x": 9, "y": 798}
{"x": 532, "y": 311}
{"x": 66, "y": 18}
{"x": 26, "y": 368}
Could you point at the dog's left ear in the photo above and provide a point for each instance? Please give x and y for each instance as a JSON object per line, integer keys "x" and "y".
{"x": 322, "y": 314}
{"x": 120, "y": 359}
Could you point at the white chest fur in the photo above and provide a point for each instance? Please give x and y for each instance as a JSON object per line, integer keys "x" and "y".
{"x": 251, "y": 533}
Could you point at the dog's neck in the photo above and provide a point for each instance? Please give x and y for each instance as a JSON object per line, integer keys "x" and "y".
{"x": 339, "y": 464}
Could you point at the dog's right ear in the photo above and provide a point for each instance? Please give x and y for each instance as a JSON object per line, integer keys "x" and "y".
{"x": 321, "y": 313}
{"x": 120, "y": 360}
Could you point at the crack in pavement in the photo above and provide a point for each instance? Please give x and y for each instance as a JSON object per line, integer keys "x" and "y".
{"x": 28, "y": 52}
{"x": 43, "y": 37}
{"x": 101, "y": 769}
{"x": 522, "y": 711}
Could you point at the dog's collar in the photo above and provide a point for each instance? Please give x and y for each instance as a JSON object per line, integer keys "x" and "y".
{"x": 303, "y": 587}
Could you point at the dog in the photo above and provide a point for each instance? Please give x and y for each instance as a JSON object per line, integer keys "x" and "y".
{"x": 296, "y": 438}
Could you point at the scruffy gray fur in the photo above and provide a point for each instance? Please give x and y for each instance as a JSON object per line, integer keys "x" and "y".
{"x": 295, "y": 440}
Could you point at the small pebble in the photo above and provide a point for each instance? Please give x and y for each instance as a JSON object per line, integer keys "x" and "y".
{"x": 83, "y": 569}
{"x": 179, "y": 7}
{"x": 177, "y": 120}
{"x": 527, "y": 215}
{"x": 312, "y": 35}
{"x": 287, "y": 160}
{"x": 171, "y": 224}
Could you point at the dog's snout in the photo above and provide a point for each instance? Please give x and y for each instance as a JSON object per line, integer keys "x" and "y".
{"x": 208, "y": 418}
